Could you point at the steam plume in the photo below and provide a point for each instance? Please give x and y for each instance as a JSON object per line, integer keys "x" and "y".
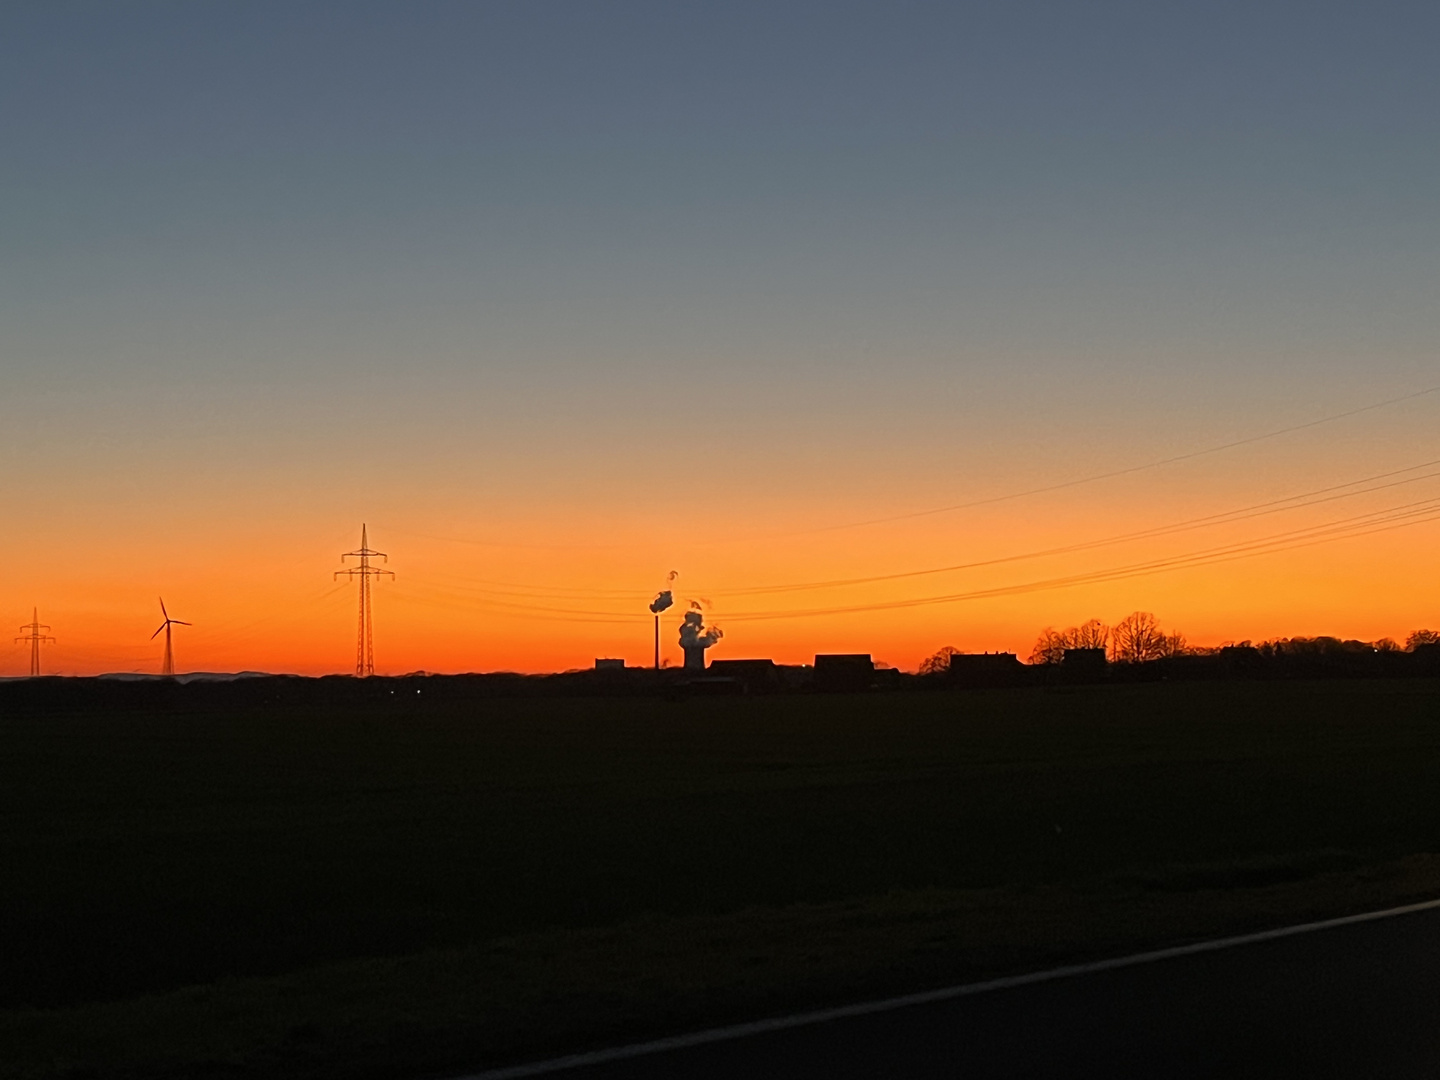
{"x": 694, "y": 634}
{"x": 664, "y": 598}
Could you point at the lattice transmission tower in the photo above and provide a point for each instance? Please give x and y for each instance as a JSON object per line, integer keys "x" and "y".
{"x": 36, "y": 638}
{"x": 364, "y": 642}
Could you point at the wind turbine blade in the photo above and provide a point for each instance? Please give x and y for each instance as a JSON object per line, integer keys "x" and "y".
{"x": 181, "y": 622}
{"x": 162, "y": 627}
{"x": 162, "y": 608}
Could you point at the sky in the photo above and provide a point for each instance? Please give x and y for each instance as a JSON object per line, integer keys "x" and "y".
{"x": 557, "y": 298}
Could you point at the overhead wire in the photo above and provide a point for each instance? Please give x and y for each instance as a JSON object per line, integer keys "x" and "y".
{"x": 439, "y": 596}
{"x": 990, "y": 500}
{"x": 507, "y": 595}
{"x": 1375, "y": 521}
{"x": 513, "y": 589}
{"x": 1386, "y": 520}
{"x": 1112, "y": 474}
{"x": 210, "y": 635}
{"x": 504, "y": 598}
{"x": 1273, "y": 506}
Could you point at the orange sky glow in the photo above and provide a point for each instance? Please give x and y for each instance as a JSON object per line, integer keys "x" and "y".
{"x": 556, "y": 586}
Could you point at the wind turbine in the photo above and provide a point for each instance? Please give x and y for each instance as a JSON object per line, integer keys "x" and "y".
{"x": 168, "y": 668}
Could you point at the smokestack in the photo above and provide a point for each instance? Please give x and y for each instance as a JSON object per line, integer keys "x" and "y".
{"x": 696, "y": 637}
{"x": 662, "y": 601}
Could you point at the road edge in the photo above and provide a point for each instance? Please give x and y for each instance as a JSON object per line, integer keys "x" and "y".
{"x": 904, "y": 1001}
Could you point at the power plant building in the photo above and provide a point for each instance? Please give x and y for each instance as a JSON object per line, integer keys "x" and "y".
{"x": 843, "y": 672}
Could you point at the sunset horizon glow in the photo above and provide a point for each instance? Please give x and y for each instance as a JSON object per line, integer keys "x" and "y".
{"x": 1324, "y": 560}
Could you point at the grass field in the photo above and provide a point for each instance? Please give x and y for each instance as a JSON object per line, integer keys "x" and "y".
{"x": 428, "y": 890}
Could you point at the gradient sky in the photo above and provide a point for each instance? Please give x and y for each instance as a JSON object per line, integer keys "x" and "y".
{"x": 559, "y": 297}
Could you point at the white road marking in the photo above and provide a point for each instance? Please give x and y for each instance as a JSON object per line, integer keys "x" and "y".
{"x": 867, "y": 1008}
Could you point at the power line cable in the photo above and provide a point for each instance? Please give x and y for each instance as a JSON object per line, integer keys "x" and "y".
{"x": 1273, "y": 506}
{"x": 1373, "y": 522}
{"x": 1043, "y": 489}
{"x": 1345, "y": 528}
{"x": 1115, "y": 473}
{"x": 1330, "y": 493}
{"x": 440, "y": 597}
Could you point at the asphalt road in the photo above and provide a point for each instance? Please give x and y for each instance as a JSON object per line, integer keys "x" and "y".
{"x": 1356, "y": 1001}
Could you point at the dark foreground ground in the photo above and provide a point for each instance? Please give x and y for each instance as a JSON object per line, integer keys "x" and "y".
{"x": 413, "y": 890}
{"x": 1357, "y": 1001}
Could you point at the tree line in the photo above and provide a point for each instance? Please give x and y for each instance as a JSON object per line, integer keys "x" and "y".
{"x": 1139, "y": 638}
{"x": 1133, "y": 640}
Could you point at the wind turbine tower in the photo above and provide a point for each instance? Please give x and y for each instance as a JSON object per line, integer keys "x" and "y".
{"x": 168, "y": 667}
{"x": 364, "y": 643}
{"x": 36, "y": 638}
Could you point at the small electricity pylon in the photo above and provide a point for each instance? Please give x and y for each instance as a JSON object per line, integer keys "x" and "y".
{"x": 168, "y": 667}
{"x": 36, "y": 639}
{"x": 364, "y": 644}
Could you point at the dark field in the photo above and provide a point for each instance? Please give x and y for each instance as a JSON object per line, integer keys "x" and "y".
{"x": 427, "y": 890}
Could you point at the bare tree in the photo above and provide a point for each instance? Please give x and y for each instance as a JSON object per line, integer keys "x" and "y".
{"x": 1049, "y": 647}
{"x": 1421, "y": 637}
{"x": 938, "y": 662}
{"x": 1176, "y": 645}
{"x": 1090, "y": 635}
{"x": 1137, "y": 638}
